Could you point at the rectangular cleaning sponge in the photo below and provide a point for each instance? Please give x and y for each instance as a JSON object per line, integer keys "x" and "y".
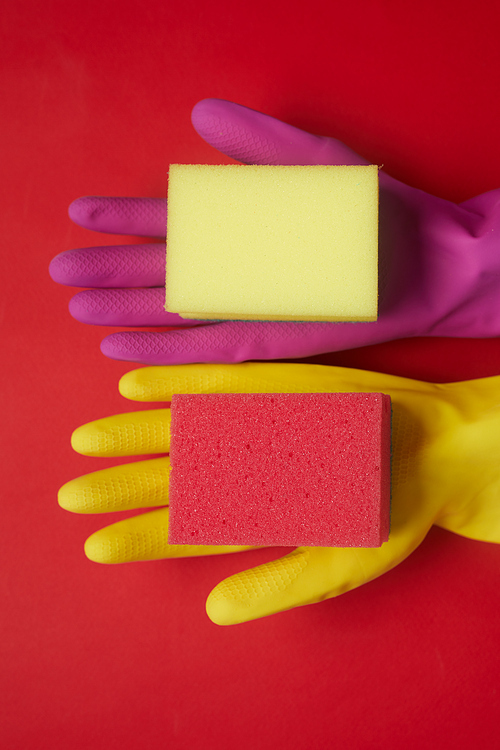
{"x": 273, "y": 242}
{"x": 280, "y": 469}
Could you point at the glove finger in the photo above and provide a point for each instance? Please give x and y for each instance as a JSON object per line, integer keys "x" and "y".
{"x": 144, "y": 537}
{"x": 160, "y": 383}
{"x": 238, "y": 341}
{"x": 126, "y": 307}
{"x": 135, "y": 434}
{"x": 143, "y": 484}
{"x": 144, "y": 217}
{"x": 254, "y": 138}
{"x": 111, "y": 266}
{"x": 309, "y": 575}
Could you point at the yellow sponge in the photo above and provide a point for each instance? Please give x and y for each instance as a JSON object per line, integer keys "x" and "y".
{"x": 272, "y": 243}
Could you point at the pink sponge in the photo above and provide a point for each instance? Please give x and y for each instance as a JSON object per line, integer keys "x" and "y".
{"x": 280, "y": 469}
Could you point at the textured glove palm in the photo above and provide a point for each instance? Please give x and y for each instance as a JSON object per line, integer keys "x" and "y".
{"x": 445, "y": 471}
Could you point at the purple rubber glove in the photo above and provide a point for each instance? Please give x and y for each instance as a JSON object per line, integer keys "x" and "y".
{"x": 439, "y": 262}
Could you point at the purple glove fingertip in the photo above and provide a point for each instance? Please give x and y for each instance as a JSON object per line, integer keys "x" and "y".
{"x": 144, "y": 217}
{"x": 125, "y": 307}
{"x": 118, "y": 266}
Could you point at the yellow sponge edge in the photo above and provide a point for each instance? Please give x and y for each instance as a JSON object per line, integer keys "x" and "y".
{"x": 272, "y": 242}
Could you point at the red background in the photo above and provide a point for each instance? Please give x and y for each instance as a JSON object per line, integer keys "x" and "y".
{"x": 97, "y": 99}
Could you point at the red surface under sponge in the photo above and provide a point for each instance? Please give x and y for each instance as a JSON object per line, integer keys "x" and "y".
{"x": 280, "y": 469}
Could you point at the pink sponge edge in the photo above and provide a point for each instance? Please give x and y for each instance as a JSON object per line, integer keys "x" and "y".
{"x": 280, "y": 469}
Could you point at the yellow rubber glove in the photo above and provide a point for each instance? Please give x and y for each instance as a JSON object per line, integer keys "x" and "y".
{"x": 445, "y": 471}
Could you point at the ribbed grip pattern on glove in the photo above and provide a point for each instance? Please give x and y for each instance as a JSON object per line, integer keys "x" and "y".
{"x": 258, "y": 591}
{"x": 219, "y": 342}
{"x": 113, "y": 266}
{"x": 124, "y": 307}
{"x": 145, "y": 217}
{"x": 159, "y": 383}
{"x": 264, "y": 580}
{"x": 138, "y": 485}
{"x": 254, "y": 138}
{"x": 146, "y": 538}
{"x": 407, "y": 444}
{"x": 236, "y": 141}
{"x": 137, "y": 433}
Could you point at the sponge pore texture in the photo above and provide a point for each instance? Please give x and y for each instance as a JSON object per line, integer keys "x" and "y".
{"x": 280, "y": 469}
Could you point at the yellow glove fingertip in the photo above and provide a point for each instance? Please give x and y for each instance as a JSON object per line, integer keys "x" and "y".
{"x": 130, "y": 386}
{"x": 93, "y": 493}
{"x": 108, "y": 548}
{"x": 220, "y": 610}
{"x": 81, "y": 441}
{"x": 69, "y": 498}
{"x": 97, "y": 550}
{"x": 95, "y": 438}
